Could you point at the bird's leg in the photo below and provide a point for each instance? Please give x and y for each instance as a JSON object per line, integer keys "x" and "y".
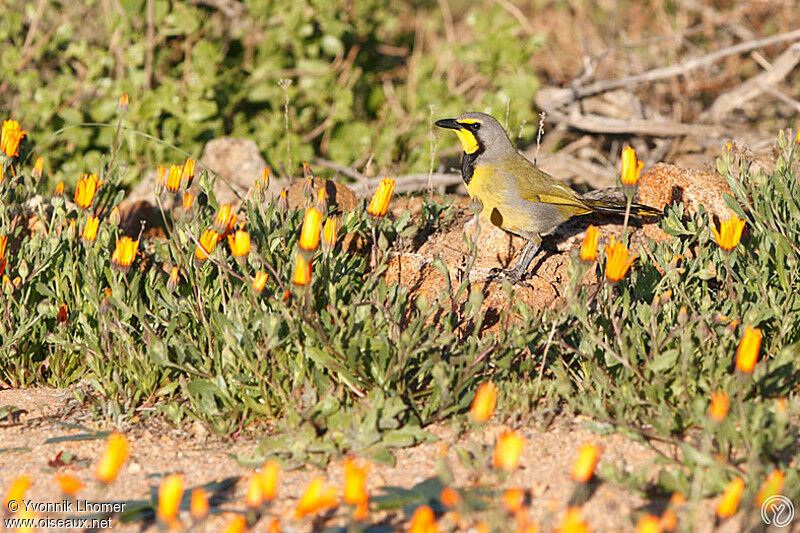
{"x": 528, "y": 253}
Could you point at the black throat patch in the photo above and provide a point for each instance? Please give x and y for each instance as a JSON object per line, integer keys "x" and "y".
{"x": 468, "y": 163}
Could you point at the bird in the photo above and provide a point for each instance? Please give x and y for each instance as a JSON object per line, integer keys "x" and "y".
{"x": 512, "y": 193}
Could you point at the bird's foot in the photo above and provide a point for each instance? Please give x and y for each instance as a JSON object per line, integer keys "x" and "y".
{"x": 511, "y": 274}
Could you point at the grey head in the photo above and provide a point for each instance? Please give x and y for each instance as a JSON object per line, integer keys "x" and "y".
{"x": 492, "y": 139}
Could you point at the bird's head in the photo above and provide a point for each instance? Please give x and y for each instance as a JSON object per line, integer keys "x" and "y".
{"x": 478, "y": 132}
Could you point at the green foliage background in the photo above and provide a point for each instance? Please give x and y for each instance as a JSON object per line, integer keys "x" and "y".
{"x": 365, "y": 76}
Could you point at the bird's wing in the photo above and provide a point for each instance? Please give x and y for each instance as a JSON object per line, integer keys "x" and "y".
{"x": 538, "y": 186}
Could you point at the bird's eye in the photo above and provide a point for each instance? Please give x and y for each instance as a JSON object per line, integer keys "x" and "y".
{"x": 476, "y": 126}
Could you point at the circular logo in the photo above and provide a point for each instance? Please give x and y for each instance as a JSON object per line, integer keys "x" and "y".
{"x": 13, "y": 506}
{"x": 777, "y": 511}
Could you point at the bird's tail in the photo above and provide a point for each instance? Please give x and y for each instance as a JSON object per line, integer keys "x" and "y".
{"x": 618, "y": 208}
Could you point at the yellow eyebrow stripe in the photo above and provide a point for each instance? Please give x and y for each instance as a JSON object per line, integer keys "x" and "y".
{"x": 468, "y": 121}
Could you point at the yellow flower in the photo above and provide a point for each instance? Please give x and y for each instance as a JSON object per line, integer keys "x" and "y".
{"x": 174, "y": 279}
{"x": 730, "y": 498}
{"x": 573, "y": 522}
{"x": 254, "y": 496}
{"x": 124, "y": 254}
{"x": 648, "y": 524}
{"x": 3, "y": 244}
{"x": 513, "y": 499}
{"x": 199, "y": 506}
{"x": 583, "y": 467}
{"x": 208, "y": 241}
{"x": 239, "y": 243}
{"x": 747, "y": 354}
{"x": 260, "y": 281}
{"x": 773, "y": 486}
{"x": 69, "y": 484}
{"x": 114, "y": 456}
{"x": 719, "y": 406}
{"x": 38, "y": 168}
{"x": 10, "y": 137}
{"x": 123, "y": 103}
{"x": 423, "y": 521}
{"x": 90, "y": 229}
{"x": 329, "y": 233}
{"x": 84, "y": 191}
{"x": 730, "y": 233}
{"x": 449, "y": 497}
{"x": 619, "y": 260}
{"x": 484, "y": 402}
{"x": 188, "y": 171}
{"x": 174, "y": 178}
{"x": 631, "y": 167}
{"x": 318, "y": 496}
{"x": 309, "y": 235}
{"x": 188, "y": 201}
{"x": 379, "y": 204}
{"x": 59, "y": 188}
{"x": 224, "y": 220}
{"x": 161, "y": 178}
{"x": 589, "y": 245}
{"x": 302, "y": 271}
{"x": 170, "y": 492}
{"x": 238, "y": 524}
{"x": 270, "y": 476}
{"x": 17, "y": 490}
{"x": 507, "y": 450}
{"x": 355, "y": 486}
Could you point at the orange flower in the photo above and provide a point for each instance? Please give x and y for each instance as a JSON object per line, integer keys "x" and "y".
{"x": 239, "y": 243}
{"x": 773, "y": 486}
{"x": 322, "y": 200}
{"x": 318, "y": 496}
{"x": 188, "y": 201}
{"x": 161, "y": 178}
{"x": 283, "y": 200}
{"x": 69, "y": 484}
{"x": 265, "y": 178}
{"x": 747, "y": 354}
{"x": 589, "y": 245}
{"x": 84, "y": 191}
{"x": 170, "y": 492}
{"x": 449, "y": 497}
{"x": 423, "y": 521}
{"x": 174, "y": 279}
{"x": 669, "y": 520}
{"x": 199, "y": 506}
{"x": 329, "y": 233}
{"x": 3, "y": 244}
{"x": 631, "y": 167}
{"x": 583, "y": 467}
{"x": 255, "y": 492}
{"x": 38, "y": 168}
{"x": 797, "y": 138}
{"x": 379, "y": 204}
{"x": 260, "y": 281}
{"x": 123, "y": 103}
{"x": 619, "y": 260}
{"x": 648, "y": 524}
{"x": 10, "y": 137}
{"x": 59, "y": 188}
{"x": 124, "y": 254}
{"x": 302, "y": 271}
{"x": 719, "y": 406}
{"x": 114, "y": 456}
{"x": 355, "y": 486}
{"x": 484, "y": 402}
{"x": 730, "y": 498}
{"x": 269, "y": 476}
{"x": 90, "y": 229}
{"x": 238, "y": 524}
{"x": 309, "y": 235}
{"x": 208, "y": 241}
{"x": 63, "y": 314}
{"x": 730, "y": 232}
{"x": 224, "y": 220}
{"x": 507, "y": 450}
{"x": 17, "y": 490}
{"x": 188, "y": 171}
{"x": 513, "y": 499}
{"x": 573, "y": 522}
{"x": 174, "y": 178}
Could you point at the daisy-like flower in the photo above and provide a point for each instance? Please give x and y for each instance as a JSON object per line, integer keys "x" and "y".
{"x": 124, "y": 254}
{"x": 11, "y": 136}
{"x": 379, "y": 204}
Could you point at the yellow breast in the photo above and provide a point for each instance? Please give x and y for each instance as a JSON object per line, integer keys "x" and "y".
{"x": 497, "y": 198}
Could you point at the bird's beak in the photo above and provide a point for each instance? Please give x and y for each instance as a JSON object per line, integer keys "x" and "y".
{"x": 449, "y": 123}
